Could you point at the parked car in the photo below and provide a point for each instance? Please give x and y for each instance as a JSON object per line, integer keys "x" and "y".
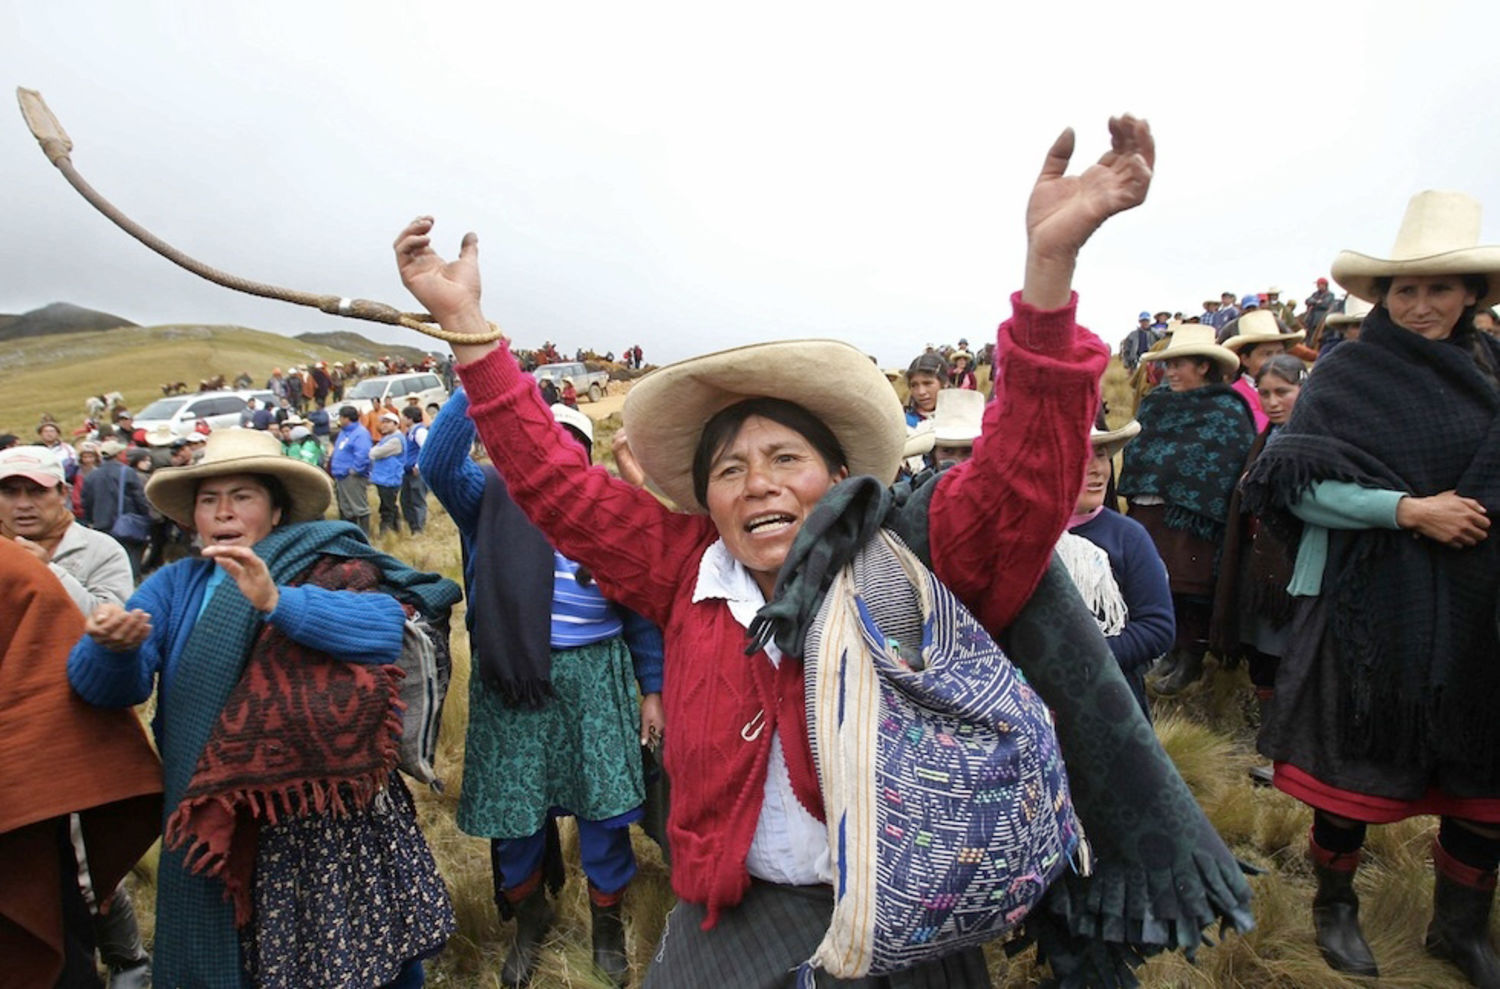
{"x": 399, "y": 388}
{"x": 589, "y": 384}
{"x": 181, "y": 413}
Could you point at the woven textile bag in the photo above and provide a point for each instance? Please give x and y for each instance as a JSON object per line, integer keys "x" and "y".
{"x": 944, "y": 790}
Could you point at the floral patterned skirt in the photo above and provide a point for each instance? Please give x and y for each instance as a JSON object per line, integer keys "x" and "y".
{"x": 343, "y": 902}
{"x": 580, "y": 752}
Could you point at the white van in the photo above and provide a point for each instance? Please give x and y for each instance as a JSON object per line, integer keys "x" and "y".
{"x": 399, "y": 388}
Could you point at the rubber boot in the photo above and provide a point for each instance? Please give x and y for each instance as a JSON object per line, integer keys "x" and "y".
{"x": 1163, "y": 667}
{"x": 1460, "y": 928}
{"x": 609, "y": 943}
{"x": 533, "y": 919}
{"x": 118, "y": 938}
{"x": 1188, "y": 671}
{"x": 1336, "y": 914}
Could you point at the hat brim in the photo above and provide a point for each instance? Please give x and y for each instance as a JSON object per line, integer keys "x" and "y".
{"x": 1356, "y": 273}
{"x": 1240, "y": 341}
{"x": 665, "y": 411}
{"x": 1112, "y": 441}
{"x": 172, "y": 490}
{"x": 1222, "y": 356}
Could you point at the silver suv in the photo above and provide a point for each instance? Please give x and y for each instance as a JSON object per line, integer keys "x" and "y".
{"x": 371, "y": 393}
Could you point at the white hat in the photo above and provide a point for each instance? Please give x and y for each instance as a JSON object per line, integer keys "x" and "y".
{"x": 1195, "y": 340}
{"x": 572, "y": 417}
{"x": 1111, "y": 440}
{"x": 956, "y": 422}
{"x": 241, "y": 451}
{"x": 390, "y": 417}
{"x": 111, "y": 448}
{"x": 1439, "y": 235}
{"x": 37, "y": 464}
{"x": 1355, "y": 311}
{"x": 160, "y": 435}
{"x": 1259, "y": 326}
{"x": 665, "y": 411}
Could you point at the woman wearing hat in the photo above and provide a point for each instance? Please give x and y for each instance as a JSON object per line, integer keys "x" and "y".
{"x": 1134, "y": 600}
{"x": 1387, "y": 478}
{"x": 1178, "y": 477}
{"x": 1257, "y": 336}
{"x": 962, "y": 374}
{"x": 288, "y": 860}
{"x": 749, "y": 442}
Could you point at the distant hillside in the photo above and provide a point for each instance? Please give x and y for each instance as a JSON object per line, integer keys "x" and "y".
{"x": 365, "y": 349}
{"x": 55, "y": 373}
{"x": 59, "y": 317}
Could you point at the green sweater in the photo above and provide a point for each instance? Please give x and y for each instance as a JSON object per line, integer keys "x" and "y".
{"x": 1335, "y": 505}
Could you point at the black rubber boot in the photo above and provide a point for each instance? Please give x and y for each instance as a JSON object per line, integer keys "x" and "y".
{"x": 609, "y": 943}
{"x": 1460, "y": 928}
{"x": 1336, "y": 914}
{"x": 533, "y": 919}
{"x": 1188, "y": 671}
{"x": 118, "y": 938}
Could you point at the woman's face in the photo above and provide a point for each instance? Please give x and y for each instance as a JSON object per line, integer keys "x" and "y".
{"x": 924, "y": 390}
{"x": 1277, "y": 397}
{"x": 234, "y": 510}
{"x": 1427, "y": 305}
{"x": 1095, "y": 482}
{"x": 1259, "y": 354}
{"x": 1185, "y": 373}
{"x": 761, "y": 488}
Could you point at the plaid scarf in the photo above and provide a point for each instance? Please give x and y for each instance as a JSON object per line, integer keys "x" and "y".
{"x": 1411, "y": 622}
{"x": 196, "y": 940}
{"x": 301, "y": 731}
{"x": 1190, "y": 452}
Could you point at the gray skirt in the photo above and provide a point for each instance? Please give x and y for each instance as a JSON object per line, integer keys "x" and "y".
{"x": 759, "y": 944}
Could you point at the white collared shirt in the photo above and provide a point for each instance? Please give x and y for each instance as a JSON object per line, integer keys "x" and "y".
{"x": 790, "y": 845}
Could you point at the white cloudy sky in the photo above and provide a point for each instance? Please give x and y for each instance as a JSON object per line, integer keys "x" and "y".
{"x": 697, "y": 175}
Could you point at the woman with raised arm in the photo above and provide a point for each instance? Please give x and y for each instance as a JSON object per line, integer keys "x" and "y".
{"x": 756, "y": 451}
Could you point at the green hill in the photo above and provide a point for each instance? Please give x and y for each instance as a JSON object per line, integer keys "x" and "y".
{"x": 55, "y": 373}
{"x": 360, "y": 347}
{"x": 59, "y": 317}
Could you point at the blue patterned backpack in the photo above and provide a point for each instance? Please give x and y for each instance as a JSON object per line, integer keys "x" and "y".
{"x": 944, "y": 790}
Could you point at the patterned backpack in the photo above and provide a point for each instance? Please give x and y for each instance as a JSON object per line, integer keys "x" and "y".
{"x": 944, "y": 790}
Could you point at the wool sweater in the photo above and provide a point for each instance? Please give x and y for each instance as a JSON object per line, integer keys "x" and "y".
{"x": 1022, "y": 483}
{"x": 1142, "y": 578}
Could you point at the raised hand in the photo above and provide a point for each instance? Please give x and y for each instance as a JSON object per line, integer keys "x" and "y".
{"x": 449, "y": 290}
{"x": 116, "y": 629}
{"x": 250, "y": 574}
{"x": 1065, "y": 210}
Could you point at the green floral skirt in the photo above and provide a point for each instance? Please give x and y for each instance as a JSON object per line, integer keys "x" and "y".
{"x": 580, "y": 752}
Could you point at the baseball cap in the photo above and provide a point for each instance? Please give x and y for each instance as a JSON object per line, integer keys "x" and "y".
{"x": 37, "y": 464}
{"x": 1250, "y": 300}
{"x": 390, "y": 417}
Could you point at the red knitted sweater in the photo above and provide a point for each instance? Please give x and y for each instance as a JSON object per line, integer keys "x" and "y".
{"x": 1000, "y": 512}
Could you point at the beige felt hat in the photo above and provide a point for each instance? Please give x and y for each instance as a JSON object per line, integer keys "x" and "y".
{"x": 1195, "y": 340}
{"x": 160, "y": 436}
{"x": 172, "y": 490}
{"x": 1355, "y": 311}
{"x": 956, "y": 420}
{"x": 665, "y": 411}
{"x": 1260, "y": 326}
{"x": 1112, "y": 440}
{"x": 1439, "y": 235}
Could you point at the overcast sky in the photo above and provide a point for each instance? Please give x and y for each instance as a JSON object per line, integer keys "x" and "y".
{"x": 700, "y": 175}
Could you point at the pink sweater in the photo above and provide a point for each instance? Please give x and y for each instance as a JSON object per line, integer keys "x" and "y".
{"x": 993, "y": 523}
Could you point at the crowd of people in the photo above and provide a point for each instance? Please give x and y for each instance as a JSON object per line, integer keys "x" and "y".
{"x": 821, "y": 590}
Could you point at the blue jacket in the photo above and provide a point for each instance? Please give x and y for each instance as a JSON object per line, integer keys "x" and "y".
{"x": 351, "y": 451}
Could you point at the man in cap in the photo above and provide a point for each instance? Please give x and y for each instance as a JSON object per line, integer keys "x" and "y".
{"x": 1227, "y": 310}
{"x": 1137, "y": 342}
{"x": 125, "y": 429}
{"x": 1319, "y": 305}
{"x": 387, "y": 465}
{"x": 113, "y": 489}
{"x": 350, "y": 467}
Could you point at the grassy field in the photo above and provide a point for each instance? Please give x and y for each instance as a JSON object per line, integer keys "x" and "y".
{"x": 55, "y": 374}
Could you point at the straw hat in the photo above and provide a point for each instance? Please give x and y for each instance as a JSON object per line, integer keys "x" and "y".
{"x": 572, "y": 417}
{"x": 1260, "y": 326}
{"x": 920, "y": 439}
{"x": 956, "y": 421}
{"x": 1112, "y": 440}
{"x": 172, "y": 490}
{"x": 1355, "y": 311}
{"x": 665, "y": 411}
{"x": 160, "y": 436}
{"x": 1439, "y": 235}
{"x": 1196, "y": 340}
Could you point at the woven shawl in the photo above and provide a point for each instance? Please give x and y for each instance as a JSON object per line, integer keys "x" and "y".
{"x": 196, "y": 941}
{"x": 1161, "y": 873}
{"x": 1255, "y": 567}
{"x": 1190, "y": 452}
{"x": 1411, "y": 623}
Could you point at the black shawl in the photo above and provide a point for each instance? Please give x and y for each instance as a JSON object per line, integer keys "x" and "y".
{"x": 1411, "y": 623}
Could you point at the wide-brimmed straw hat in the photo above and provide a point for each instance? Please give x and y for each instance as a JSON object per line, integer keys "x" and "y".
{"x": 172, "y": 490}
{"x": 1355, "y": 311}
{"x": 1111, "y": 441}
{"x": 665, "y": 411}
{"x": 1260, "y": 326}
{"x": 1195, "y": 340}
{"x": 957, "y": 420}
{"x": 1439, "y": 235}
